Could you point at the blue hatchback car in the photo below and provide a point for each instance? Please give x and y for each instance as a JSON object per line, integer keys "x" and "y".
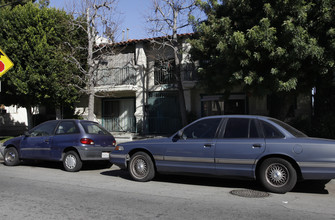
{"x": 235, "y": 146}
{"x": 70, "y": 141}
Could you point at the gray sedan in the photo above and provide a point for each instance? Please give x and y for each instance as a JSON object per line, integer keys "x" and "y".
{"x": 236, "y": 146}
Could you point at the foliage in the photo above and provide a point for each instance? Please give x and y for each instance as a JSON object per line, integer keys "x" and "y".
{"x": 4, "y": 139}
{"x": 265, "y": 46}
{"x": 33, "y": 38}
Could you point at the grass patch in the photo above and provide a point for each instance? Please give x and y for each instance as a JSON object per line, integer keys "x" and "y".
{"x": 3, "y": 139}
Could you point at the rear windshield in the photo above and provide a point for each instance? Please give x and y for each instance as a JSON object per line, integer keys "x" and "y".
{"x": 289, "y": 128}
{"x": 94, "y": 128}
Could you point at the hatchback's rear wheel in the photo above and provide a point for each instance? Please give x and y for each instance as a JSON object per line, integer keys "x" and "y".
{"x": 277, "y": 175}
{"x": 11, "y": 156}
{"x": 72, "y": 162}
{"x": 141, "y": 167}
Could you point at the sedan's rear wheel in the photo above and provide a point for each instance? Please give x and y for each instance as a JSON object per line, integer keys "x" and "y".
{"x": 72, "y": 162}
{"x": 11, "y": 156}
{"x": 277, "y": 175}
{"x": 141, "y": 167}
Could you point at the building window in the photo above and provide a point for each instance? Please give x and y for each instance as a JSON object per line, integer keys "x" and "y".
{"x": 164, "y": 72}
{"x": 217, "y": 105}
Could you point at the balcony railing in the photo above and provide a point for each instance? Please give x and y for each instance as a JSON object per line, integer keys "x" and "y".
{"x": 117, "y": 76}
{"x": 166, "y": 76}
{"x": 116, "y": 124}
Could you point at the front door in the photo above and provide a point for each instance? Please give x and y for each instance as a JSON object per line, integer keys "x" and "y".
{"x": 194, "y": 152}
{"x": 37, "y": 144}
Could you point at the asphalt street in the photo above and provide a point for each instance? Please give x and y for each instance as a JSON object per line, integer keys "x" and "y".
{"x": 45, "y": 191}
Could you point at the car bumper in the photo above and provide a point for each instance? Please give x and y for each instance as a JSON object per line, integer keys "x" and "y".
{"x": 94, "y": 153}
{"x": 120, "y": 160}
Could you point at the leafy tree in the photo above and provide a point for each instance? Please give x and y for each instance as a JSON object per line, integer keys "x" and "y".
{"x": 278, "y": 48}
{"x": 13, "y": 3}
{"x": 33, "y": 37}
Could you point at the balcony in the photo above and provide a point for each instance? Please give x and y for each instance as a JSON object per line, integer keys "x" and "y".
{"x": 164, "y": 74}
{"x": 117, "y": 76}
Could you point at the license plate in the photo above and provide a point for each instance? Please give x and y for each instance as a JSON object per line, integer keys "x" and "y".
{"x": 105, "y": 155}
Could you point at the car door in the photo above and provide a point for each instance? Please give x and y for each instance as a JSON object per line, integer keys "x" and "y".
{"x": 36, "y": 145}
{"x": 238, "y": 148}
{"x": 194, "y": 151}
{"x": 67, "y": 134}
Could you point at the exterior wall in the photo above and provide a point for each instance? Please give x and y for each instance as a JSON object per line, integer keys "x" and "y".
{"x": 13, "y": 121}
{"x": 140, "y": 95}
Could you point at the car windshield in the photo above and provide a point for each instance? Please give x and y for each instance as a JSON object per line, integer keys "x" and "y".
{"x": 289, "y": 128}
{"x": 94, "y": 128}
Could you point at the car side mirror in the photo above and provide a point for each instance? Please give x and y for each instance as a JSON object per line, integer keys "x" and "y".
{"x": 26, "y": 134}
{"x": 178, "y": 136}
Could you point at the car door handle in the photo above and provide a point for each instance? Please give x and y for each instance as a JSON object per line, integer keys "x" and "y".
{"x": 256, "y": 145}
{"x": 208, "y": 145}
{"x": 46, "y": 140}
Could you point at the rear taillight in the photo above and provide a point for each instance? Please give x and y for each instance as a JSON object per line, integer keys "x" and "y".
{"x": 114, "y": 143}
{"x": 86, "y": 141}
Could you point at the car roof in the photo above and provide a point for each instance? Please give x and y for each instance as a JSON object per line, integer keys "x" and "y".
{"x": 238, "y": 116}
{"x": 76, "y": 120}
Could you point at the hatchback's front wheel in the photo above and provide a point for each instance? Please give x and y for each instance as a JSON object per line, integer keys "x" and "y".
{"x": 72, "y": 162}
{"x": 11, "y": 156}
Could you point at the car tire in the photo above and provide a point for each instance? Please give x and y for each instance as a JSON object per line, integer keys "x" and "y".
{"x": 11, "y": 156}
{"x": 72, "y": 162}
{"x": 277, "y": 175}
{"x": 141, "y": 167}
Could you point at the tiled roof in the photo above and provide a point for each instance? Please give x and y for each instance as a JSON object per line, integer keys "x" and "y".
{"x": 135, "y": 41}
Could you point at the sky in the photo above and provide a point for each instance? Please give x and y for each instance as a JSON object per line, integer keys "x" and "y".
{"x": 132, "y": 16}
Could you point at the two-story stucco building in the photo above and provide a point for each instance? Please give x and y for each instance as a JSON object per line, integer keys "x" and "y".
{"x": 138, "y": 93}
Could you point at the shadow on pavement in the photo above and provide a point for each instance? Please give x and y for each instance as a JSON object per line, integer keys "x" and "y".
{"x": 59, "y": 165}
{"x": 301, "y": 187}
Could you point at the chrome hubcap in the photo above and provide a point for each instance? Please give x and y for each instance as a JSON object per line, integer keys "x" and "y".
{"x": 140, "y": 167}
{"x": 70, "y": 161}
{"x": 10, "y": 157}
{"x": 277, "y": 175}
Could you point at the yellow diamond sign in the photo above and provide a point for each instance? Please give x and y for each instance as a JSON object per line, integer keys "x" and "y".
{"x": 5, "y": 63}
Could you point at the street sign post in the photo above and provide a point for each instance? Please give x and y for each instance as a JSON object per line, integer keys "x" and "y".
{"x": 5, "y": 63}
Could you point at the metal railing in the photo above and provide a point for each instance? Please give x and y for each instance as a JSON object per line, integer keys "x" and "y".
{"x": 117, "y": 76}
{"x": 116, "y": 124}
{"x": 166, "y": 76}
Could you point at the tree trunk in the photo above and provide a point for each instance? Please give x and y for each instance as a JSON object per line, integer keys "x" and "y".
{"x": 182, "y": 104}
{"x": 90, "y": 38}
{"x": 58, "y": 113}
{"x": 29, "y": 117}
{"x": 91, "y": 115}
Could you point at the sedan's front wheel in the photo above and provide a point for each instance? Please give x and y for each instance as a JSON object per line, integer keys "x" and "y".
{"x": 11, "y": 156}
{"x": 72, "y": 161}
{"x": 277, "y": 175}
{"x": 141, "y": 167}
